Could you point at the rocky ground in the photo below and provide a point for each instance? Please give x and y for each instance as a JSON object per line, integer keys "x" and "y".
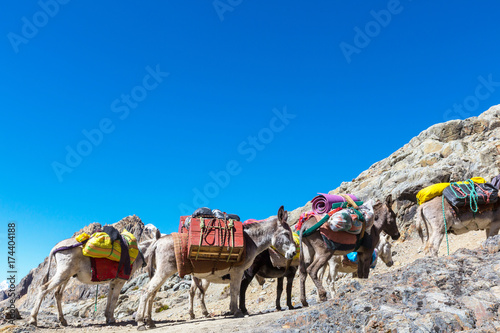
{"x": 417, "y": 294}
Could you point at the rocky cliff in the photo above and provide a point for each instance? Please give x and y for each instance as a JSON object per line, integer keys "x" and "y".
{"x": 451, "y": 151}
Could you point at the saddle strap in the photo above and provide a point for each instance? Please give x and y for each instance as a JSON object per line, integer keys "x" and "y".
{"x": 349, "y": 200}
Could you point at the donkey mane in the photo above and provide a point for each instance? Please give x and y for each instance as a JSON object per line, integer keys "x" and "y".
{"x": 256, "y": 223}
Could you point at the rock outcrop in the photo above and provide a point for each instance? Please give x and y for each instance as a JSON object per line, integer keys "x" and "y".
{"x": 451, "y": 151}
{"x": 446, "y": 294}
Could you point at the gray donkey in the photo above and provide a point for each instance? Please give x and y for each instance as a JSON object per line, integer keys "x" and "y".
{"x": 72, "y": 263}
{"x": 430, "y": 216}
{"x": 259, "y": 236}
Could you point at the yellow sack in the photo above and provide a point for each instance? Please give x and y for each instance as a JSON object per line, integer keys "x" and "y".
{"x": 431, "y": 192}
{"x": 477, "y": 180}
{"x": 82, "y": 238}
{"x": 436, "y": 190}
{"x": 99, "y": 246}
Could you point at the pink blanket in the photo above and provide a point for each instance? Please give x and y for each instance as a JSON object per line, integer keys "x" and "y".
{"x": 322, "y": 203}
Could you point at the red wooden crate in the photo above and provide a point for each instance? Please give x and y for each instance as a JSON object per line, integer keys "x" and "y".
{"x": 217, "y": 242}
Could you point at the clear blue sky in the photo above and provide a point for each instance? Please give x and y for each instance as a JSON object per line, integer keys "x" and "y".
{"x": 113, "y": 109}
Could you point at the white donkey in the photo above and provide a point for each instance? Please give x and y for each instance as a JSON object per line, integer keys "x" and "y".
{"x": 384, "y": 252}
{"x": 259, "y": 236}
{"x": 70, "y": 262}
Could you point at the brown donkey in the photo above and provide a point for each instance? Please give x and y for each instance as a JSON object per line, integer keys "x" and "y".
{"x": 314, "y": 254}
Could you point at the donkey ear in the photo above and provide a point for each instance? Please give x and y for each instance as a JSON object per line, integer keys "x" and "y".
{"x": 285, "y": 217}
{"x": 281, "y": 213}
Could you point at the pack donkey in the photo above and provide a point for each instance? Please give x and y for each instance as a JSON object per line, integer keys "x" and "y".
{"x": 314, "y": 254}
{"x": 273, "y": 231}
{"x": 262, "y": 267}
{"x": 70, "y": 262}
{"x": 335, "y": 264}
{"x": 430, "y": 216}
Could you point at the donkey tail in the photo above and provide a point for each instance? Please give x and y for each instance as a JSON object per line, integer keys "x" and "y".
{"x": 46, "y": 277}
{"x": 151, "y": 255}
{"x": 302, "y": 265}
{"x": 420, "y": 223}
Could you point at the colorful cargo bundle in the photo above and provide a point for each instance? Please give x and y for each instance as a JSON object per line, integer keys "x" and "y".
{"x": 436, "y": 190}
{"x": 343, "y": 212}
{"x": 99, "y": 245}
{"x": 473, "y": 192}
{"x": 213, "y": 235}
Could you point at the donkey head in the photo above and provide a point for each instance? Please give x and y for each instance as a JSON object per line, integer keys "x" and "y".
{"x": 384, "y": 249}
{"x": 282, "y": 239}
{"x": 385, "y": 218}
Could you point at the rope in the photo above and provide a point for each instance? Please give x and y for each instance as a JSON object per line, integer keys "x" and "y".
{"x": 445, "y": 227}
{"x": 96, "y": 292}
{"x": 469, "y": 185}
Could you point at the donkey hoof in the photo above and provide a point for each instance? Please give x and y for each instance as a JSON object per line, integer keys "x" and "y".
{"x": 191, "y": 315}
{"x": 305, "y": 304}
{"x": 64, "y": 322}
{"x": 32, "y": 322}
{"x": 206, "y": 314}
{"x": 238, "y": 314}
{"x": 141, "y": 327}
{"x": 291, "y": 307}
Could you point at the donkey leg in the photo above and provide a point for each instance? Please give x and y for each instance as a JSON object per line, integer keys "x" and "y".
{"x": 435, "y": 241}
{"x": 203, "y": 289}
{"x": 279, "y": 291}
{"x": 364, "y": 263}
{"x": 195, "y": 282}
{"x": 59, "y": 278}
{"x": 289, "y": 285}
{"x": 493, "y": 229}
{"x": 234, "y": 286}
{"x": 303, "y": 277}
{"x": 247, "y": 278}
{"x": 58, "y": 296}
{"x": 144, "y": 311}
{"x": 332, "y": 275}
{"x": 319, "y": 261}
{"x": 115, "y": 286}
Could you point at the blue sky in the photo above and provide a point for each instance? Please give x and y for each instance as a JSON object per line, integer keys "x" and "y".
{"x": 121, "y": 108}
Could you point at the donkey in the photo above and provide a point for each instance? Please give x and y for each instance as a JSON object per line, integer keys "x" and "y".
{"x": 263, "y": 268}
{"x": 430, "y": 215}
{"x": 314, "y": 254}
{"x": 71, "y": 262}
{"x": 258, "y": 237}
{"x": 384, "y": 251}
